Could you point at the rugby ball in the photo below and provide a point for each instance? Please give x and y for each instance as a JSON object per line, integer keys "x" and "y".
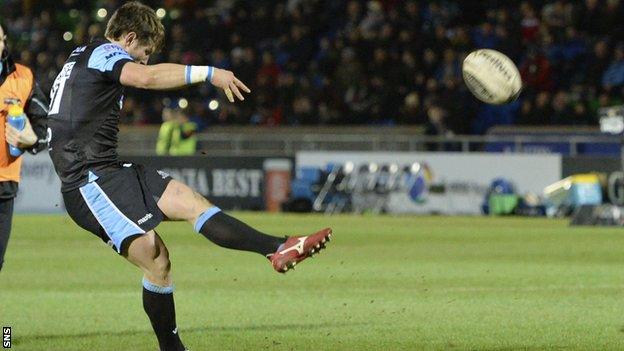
{"x": 491, "y": 77}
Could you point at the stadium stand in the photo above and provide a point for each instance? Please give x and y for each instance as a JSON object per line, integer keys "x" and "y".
{"x": 389, "y": 62}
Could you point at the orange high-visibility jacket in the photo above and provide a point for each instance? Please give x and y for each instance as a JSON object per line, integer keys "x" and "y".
{"x": 18, "y": 85}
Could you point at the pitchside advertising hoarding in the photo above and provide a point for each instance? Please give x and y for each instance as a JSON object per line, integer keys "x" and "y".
{"x": 247, "y": 183}
{"x": 40, "y": 187}
{"x": 460, "y": 180}
{"x": 456, "y": 184}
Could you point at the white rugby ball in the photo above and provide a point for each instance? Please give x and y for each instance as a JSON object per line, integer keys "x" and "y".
{"x": 492, "y": 77}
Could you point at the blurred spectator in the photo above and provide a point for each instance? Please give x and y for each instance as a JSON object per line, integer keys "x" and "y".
{"x": 530, "y": 23}
{"x": 527, "y": 115}
{"x": 177, "y": 134}
{"x": 411, "y": 112}
{"x": 543, "y": 109}
{"x": 580, "y": 114}
{"x": 536, "y": 71}
{"x": 613, "y": 77}
{"x": 597, "y": 63}
{"x": 436, "y": 126}
{"x": 561, "y": 109}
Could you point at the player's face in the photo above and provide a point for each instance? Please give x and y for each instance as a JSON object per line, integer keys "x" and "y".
{"x": 140, "y": 53}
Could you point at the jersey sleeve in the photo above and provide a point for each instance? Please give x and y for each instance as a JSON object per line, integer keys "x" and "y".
{"x": 108, "y": 59}
{"x": 37, "y": 112}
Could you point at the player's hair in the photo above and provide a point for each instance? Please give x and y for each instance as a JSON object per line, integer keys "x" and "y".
{"x": 135, "y": 17}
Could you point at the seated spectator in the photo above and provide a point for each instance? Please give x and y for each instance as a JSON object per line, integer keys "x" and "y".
{"x": 597, "y": 63}
{"x": 542, "y": 109}
{"x": 613, "y": 77}
{"x": 436, "y": 126}
{"x": 536, "y": 71}
{"x": 411, "y": 112}
{"x": 562, "y": 113}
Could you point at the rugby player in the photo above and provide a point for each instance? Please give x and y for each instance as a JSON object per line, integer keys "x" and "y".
{"x": 122, "y": 203}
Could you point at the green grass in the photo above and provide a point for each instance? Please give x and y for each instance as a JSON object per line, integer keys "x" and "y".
{"x": 385, "y": 283}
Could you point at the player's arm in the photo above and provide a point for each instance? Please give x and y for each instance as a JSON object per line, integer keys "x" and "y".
{"x": 165, "y": 76}
{"x": 33, "y": 137}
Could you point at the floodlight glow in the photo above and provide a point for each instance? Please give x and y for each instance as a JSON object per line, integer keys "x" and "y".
{"x": 348, "y": 167}
{"x": 213, "y": 105}
{"x": 415, "y": 168}
{"x": 183, "y": 103}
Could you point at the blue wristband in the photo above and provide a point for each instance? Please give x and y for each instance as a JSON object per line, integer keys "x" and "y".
{"x": 210, "y": 73}
{"x": 187, "y": 74}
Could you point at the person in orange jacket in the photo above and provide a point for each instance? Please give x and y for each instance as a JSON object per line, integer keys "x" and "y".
{"x": 17, "y": 87}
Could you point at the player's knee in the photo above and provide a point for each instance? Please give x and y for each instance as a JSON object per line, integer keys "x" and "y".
{"x": 158, "y": 272}
{"x": 162, "y": 264}
{"x": 181, "y": 202}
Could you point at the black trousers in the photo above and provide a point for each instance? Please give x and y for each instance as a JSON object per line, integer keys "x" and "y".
{"x": 6, "y": 216}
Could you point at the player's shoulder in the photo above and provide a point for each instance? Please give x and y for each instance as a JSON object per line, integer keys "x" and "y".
{"x": 104, "y": 54}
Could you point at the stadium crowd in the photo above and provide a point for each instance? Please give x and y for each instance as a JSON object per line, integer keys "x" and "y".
{"x": 311, "y": 62}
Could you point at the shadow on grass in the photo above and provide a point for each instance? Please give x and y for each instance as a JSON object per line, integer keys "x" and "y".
{"x": 217, "y": 329}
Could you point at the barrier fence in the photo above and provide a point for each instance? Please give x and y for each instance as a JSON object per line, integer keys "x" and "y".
{"x": 288, "y": 141}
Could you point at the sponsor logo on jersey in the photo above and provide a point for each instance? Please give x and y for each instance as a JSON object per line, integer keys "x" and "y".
{"x": 145, "y": 218}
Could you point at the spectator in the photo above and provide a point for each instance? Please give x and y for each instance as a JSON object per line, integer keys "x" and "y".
{"x": 613, "y": 77}
{"x": 411, "y": 112}
{"x": 436, "y": 126}
{"x": 543, "y": 109}
{"x": 562, "y": 113}
{"x": 536, "y": 71}
{"x": 597, "y": 64}
{"x": 527, "y": 115}
{"x": 177, "y": 134}
{"x": 580, "y": 114}
{"x": 530, "y": 23}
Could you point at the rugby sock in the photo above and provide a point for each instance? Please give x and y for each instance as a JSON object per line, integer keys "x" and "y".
{"x": 229, "y": 232}
{"x": 159, "y": 306}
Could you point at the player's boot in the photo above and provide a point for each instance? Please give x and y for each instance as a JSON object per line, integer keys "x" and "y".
{"x": 298, "y": 248}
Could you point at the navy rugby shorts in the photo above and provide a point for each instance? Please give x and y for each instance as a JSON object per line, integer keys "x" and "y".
{"x": 118, "y": 204}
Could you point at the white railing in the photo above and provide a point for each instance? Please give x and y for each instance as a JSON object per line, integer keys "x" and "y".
{"x": 278, "y": 143}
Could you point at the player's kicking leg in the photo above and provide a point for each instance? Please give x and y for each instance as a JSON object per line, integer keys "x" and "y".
{"x": 180, "y": 202}
{"x": 149, "y": 253}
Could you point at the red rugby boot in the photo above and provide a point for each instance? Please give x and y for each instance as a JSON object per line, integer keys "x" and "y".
{"x": 298, "y": 248}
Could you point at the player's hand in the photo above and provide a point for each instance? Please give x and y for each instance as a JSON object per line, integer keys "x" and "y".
{"x": 231, "y": 85}
{"x": 22, "y": 139}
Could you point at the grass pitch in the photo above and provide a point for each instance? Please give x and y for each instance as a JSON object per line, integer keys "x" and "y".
{"x": 384, "y": 283}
